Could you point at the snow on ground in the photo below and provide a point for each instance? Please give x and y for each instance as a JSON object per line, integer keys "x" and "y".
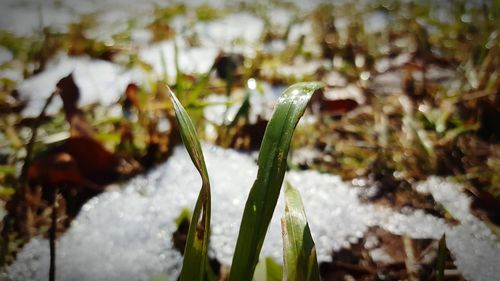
{"x": 29, "y": 17}
{"x": 261, "y": 100}
{"x": 104, "y": 82}
{"x": 474, "y": 246}
{"x": 99, "y": 81}
{"x": 125, "y": 234}
{"x": 229, "y": 28}
{"x": 161, "y": 57}
{"x": 5, "y": 55}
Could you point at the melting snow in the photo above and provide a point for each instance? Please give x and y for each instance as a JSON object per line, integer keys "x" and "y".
{"x": 27, "y": 18}
{"x": 474, "y": 246}
{"x": 191, "y": 59}
{"x": 5, "y": 55}
{"x": 262, "y": 102}
{"x": 98, "y": 81}
{"x": 242, "y": 26}
{"x": 376, "y": 22}
{"x": 124, "y": 234}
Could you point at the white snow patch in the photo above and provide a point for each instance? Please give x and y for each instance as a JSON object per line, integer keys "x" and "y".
{"x": 191, "y": 60}
{"x": 99, "y": 82}
{"x": 475, "y": 248}
{"x": 125, "y": 234}
{"x": 297, "y": 30}
{"x": 5, "y": 55}
{"x": 376, "y": 22}
{"x": 28, "y": 18}
{"x": 14, "y": 74}
{"x": 261, "y": 104}
{"x": 141, "y": 36}
{"x": 225, "y": 31}
{"x": 280, "y": 18}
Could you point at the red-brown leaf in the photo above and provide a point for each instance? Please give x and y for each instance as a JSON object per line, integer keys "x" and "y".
{"x": 70, "y": 94}
{"x": 337, "y": 107}
{"x": 78, "y": 161}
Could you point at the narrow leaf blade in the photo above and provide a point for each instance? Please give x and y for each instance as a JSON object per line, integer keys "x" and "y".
{"x": 268, "y": 270}
{"x": 195, "y": 253}
{"x": 299, "y": 252}
{"x": 264, "y": 193}
{"x": 441, "y": 260}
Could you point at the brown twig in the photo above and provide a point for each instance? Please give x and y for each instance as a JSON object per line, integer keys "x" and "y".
{"x": 23, "y": 178}
{"x": 355, "y": 267}
{"x": 410, "y": 262}
{"x": 474, "y": 95}
{"x": 31, "y": 143}
{"x": 52, "y": 236}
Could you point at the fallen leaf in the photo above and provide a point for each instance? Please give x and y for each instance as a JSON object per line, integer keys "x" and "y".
{"x": 131, "y": 99}
{"x": 55, "y": 170}
{"x": 338, "y": 101}
{"x": 337, "y": 107}
{"x": 229, "y": 66}
{"x": 70, "y": 94}
{"x": 78, "y": 161}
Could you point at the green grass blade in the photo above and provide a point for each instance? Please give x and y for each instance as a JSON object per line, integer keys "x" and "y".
{"x": 268, "y": 270}
{"x": 441, "y": 259}
{"x": 242, "y": 111}
{"x": 264, "y": 194}
{"x": 195, "y": 253}
{"x": 299, "y": 252}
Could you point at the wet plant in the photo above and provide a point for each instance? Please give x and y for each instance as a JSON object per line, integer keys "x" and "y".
{"x": 300, "y": 257}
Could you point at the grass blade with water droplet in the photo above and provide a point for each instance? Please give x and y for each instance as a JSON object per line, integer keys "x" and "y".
{"x": 195, "y": 253}
{"x": 299, "y": 252}
{"x": 264, "y": 193}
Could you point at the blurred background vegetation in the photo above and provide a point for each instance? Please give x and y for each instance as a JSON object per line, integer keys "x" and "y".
{"x": 412, "y": 90}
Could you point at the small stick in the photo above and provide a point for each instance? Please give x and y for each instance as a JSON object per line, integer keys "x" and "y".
{"x": 410, "y": 262}
{"x": 52, "y": 237}
{"x": 23, "y": 177}
{"x": 31, "y": 143}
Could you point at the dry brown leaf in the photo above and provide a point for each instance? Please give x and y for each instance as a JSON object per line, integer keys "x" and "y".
{"x": 79, "y": 161}
{"x": 70, "y": 94}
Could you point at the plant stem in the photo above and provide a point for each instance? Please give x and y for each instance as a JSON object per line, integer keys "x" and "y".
{"x": 13, "y": 213}
{"x": 31, "y": 143}
{"x": 52, "y": 237}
